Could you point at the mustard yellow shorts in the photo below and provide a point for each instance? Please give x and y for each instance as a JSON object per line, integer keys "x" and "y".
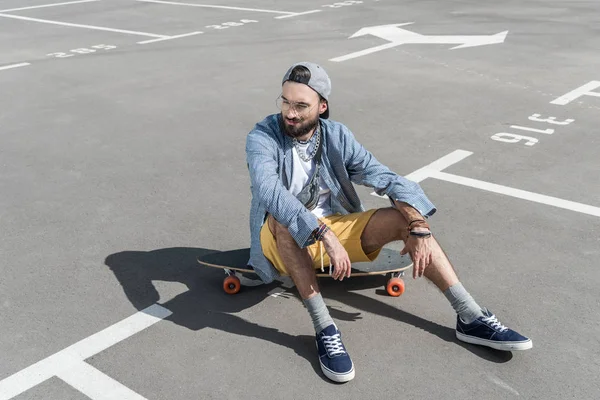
{"x": 348, "y": 229}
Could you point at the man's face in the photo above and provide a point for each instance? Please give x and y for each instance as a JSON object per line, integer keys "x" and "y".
{"x": 300, "y": 108}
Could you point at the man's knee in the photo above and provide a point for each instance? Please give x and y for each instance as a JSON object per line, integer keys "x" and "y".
{"x": 386, "y": 225}
{"x": 399, "y": 223}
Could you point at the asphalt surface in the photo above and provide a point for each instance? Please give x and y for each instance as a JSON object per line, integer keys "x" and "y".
{"x": 121, "y": 166}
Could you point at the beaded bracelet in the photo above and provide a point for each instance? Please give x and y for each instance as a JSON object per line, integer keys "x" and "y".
{"x": 320, "y": 232}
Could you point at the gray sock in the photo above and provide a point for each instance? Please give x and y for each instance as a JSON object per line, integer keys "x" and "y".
{"x": 463, "y": 303}
{"x": 318, "y": 312}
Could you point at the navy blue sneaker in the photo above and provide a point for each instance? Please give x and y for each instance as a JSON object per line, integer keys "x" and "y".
{"x": 487, "y": 331}
{"x": 335, "y": 361}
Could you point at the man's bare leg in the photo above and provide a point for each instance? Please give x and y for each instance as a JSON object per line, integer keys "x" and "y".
{"x": 297, "y": 261}
{"x": 300, "y": 267}
{"x": 389, "y": 225}
{"x": 334, "y": 360}
{"x": 474, "y": 325}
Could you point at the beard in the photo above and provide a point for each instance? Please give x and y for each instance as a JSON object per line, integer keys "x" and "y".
{"x": 300, "y": 129}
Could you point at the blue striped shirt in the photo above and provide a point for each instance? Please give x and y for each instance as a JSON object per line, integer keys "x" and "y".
{"x": 345, "y": 162}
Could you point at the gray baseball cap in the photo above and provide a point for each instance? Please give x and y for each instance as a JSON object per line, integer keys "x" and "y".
{"x": 319, "y": 81}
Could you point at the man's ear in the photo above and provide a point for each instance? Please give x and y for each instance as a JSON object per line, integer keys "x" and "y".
{"x": 322, "y": 106}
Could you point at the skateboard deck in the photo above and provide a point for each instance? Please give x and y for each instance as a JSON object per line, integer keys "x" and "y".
{"x": 388, "y": 262}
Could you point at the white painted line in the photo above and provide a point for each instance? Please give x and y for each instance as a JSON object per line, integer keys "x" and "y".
{"x": 33, "y": 375}
{"x": 48, "y": 5}
{"x": 585, "y": 90}
{"x": 118, "y": 332}
{"x": 99, "y": 28}
{"x": 297, "y": 14}
{"x": 439, "y": 165}
{"x": 365, "y": 52}
{"x": 97, "y": 385}
{"x": 214, "y": 6}
{"x": 521, "y": 194}
{"x": 169, "y": 38}
{"x": 14, "y": 66}
{"x": 434, "y": 170}
{"x": 436, "y": 166}
{"x": 74, "y": 354}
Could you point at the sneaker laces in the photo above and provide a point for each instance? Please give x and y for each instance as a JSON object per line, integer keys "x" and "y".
{"x": 333, "y": 345}
{"x": 493, "y": 321}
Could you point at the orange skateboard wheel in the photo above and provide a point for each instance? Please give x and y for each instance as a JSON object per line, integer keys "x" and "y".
{"x": 395, "y": 287}
{"x": 231, "y": 284}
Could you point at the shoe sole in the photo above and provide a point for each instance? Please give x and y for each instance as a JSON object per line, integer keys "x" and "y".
{"x": 506, "y": 346}
{"x": 337, "y": 377}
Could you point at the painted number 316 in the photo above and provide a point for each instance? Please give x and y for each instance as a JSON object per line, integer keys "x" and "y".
{"x": 82, "y": 50}
{"x": 528, "y": 140}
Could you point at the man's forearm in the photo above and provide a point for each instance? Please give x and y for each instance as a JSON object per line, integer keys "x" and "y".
{"x": 411, "y": 215}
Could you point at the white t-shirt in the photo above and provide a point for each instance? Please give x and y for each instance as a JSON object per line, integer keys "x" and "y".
{"x": 301, "y": 173}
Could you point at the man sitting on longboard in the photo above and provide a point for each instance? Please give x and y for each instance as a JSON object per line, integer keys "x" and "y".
{"x": 306, "y": 214}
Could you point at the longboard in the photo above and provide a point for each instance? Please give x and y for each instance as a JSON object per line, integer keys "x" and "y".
{"x": 388, "y": 262}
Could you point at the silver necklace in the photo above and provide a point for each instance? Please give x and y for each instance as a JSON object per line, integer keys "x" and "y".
{"x": 301, "y": 154}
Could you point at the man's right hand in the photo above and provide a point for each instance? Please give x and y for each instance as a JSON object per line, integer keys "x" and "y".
{"x": 338, "y": 256}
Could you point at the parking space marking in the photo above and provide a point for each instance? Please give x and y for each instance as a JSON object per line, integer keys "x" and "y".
{"x": 297, "y": 14}
{"x": 170, "y": 37}
{"x": 508, "y": 137}
{"x": 73, "y": 356}
{"x": 99, "y": 28}
{"x": 520, "y": 194}
{"x": 585, "y": 90}
{"x": 344, "y": 3}
{"x": 231, "y": 24}
{"x": 438, "y": 165}
{"x": 97, "y": 385}
{"x": 215, "y": 6}
{"x": 82, "y": 50}
{"x": 48, "y": 5}
{"x": 14, "y": 66}
{"x": 435, "y": 170}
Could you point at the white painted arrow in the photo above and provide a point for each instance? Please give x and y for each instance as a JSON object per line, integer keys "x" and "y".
{"x": 397, "y": 36}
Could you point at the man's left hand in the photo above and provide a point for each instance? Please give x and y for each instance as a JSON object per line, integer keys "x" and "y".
{"x": 420, "y": 252}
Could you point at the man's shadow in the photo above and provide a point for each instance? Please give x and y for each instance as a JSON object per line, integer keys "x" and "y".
{"x": 205, "y": 304}
{"x": 346, "y": 295}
